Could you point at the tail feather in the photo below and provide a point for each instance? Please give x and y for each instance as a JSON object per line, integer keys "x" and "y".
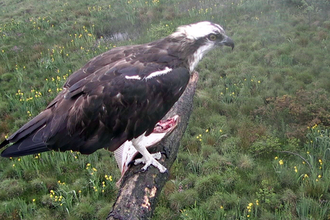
{"x": 36, "y": 123}
{"x": 26, "y": 140}
{"x": 4, "y": 143}
{"x": 25, "y": 147}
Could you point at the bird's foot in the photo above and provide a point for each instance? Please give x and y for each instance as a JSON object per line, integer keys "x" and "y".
{"x": 151, "y": 161}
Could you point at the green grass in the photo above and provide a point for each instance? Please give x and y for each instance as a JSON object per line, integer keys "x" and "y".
{"x": 257, "y": 145}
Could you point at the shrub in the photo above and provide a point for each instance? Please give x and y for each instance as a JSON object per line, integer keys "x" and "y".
{"x": 207, "y": 186}
{"x": 183, "y": 199}
{"x": 11, "y": 188}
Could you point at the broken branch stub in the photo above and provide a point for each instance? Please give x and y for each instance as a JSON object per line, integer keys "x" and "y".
{"x": 138, "y": 193}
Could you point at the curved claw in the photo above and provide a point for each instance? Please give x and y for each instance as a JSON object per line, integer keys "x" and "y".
{"x": 151, "y": 161}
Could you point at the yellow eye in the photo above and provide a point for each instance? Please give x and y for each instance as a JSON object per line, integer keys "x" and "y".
{"x": 212, "y": 37}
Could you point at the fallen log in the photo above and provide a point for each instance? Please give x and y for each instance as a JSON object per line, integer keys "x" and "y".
{"x": 138, "y": 193}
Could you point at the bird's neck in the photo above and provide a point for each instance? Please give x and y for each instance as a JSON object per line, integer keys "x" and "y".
{"x": 195, "y": 57}
{"x": 198, "y": 54}
{"x": 188, "y": 53}
{"x": 192, "y": 52}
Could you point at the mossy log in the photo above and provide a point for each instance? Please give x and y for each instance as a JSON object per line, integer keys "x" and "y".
{"x": 138, "y": 193}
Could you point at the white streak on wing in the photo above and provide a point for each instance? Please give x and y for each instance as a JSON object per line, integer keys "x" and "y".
{"x": 119, "y": 95}
{"x": 159, "y": 73}
{"x": 137, "y": 77}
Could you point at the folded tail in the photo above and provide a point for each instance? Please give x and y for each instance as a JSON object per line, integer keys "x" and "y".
{"x": 26, "y": 140}
{"x": 23, "y": 148}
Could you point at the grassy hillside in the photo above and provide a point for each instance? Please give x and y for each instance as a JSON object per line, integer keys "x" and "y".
{"x": 257, "y": 146}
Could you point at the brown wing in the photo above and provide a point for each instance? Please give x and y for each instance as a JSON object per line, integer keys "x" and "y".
{"x": 100, "y": 107}
{"x": 101, "y": 110}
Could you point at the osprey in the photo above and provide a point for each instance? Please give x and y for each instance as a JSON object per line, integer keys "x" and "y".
{"x": 119, "y": 96}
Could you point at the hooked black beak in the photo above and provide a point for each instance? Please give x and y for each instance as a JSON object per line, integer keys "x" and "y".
{"x": 227, "y": 41}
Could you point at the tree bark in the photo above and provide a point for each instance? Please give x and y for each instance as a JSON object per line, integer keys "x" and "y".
{"x": 138, "y": 193}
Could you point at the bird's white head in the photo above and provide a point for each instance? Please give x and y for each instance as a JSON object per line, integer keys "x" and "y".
{"x": 200, "y": 38}
{"x": 198, "y": 30}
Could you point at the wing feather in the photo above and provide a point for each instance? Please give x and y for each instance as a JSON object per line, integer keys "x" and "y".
{"x": 100, "y": 108}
